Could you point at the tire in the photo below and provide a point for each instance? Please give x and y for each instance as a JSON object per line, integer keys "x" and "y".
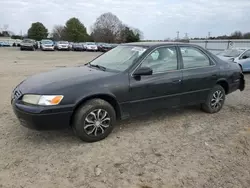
{"x": 84, "y": 117}
{"x": 215, "y": 100}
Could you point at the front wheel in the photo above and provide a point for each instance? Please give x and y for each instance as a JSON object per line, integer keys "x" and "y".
{"x": 215, "y": 100}
{"x": 94, "y": 120}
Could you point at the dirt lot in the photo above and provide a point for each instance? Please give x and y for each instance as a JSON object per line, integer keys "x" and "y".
{"x": 177, "y": 148}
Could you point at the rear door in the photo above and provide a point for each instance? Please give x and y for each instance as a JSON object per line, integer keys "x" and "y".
{"x": 200, "y": 74}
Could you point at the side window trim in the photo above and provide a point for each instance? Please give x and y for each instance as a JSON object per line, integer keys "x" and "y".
{"x": 167, "y": 46}
{"x": 211, "y": 61}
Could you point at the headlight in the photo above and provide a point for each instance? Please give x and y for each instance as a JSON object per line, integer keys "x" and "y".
{"x": 45, "y": 100}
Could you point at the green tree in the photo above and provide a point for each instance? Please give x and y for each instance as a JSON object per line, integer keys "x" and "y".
{"x": 17, "y": 37}
{"x": 246, "y": 35}
{"x": 37, "y": 31}
{"x": 75, "y": 31}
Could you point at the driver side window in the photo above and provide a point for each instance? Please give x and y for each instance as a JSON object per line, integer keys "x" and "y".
{"x": 162, "y": 60}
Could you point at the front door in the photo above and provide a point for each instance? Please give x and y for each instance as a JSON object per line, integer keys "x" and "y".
{"x": 162, "y": 88}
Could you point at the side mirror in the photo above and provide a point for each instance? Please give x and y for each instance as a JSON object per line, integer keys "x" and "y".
{"x": 245, "y": 57}
{"x": 143, "y": 71}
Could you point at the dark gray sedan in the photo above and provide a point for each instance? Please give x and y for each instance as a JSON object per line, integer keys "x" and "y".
{"x": 129, "y": 80}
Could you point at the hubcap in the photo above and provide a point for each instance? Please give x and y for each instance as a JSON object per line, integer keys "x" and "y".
{"x": 217, "y": 99}
{"x": 96, "y": 122}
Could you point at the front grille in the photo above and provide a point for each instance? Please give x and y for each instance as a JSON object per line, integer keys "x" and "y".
{"x": 16, "y": 94}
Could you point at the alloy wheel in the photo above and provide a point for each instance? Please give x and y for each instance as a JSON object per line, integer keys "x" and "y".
{"x": 217, "y": 99}
{"x": 96, "y": 122}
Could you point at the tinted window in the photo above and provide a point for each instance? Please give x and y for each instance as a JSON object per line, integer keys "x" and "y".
{"x": 193, "y": 58}
{"x": 161, "y": 60}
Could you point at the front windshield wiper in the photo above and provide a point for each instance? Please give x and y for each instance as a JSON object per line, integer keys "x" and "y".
{"x": 98, "y": 66}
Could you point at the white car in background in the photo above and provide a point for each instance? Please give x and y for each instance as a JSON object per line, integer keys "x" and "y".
{"x": 62, "y": 45}
{"x": 90, "y": 46}
{"x": 47, "y": 44}
{"x": 237, "y": 55}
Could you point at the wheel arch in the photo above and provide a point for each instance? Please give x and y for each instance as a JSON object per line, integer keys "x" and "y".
{"x": 104, "y": 96}
{"x": 223, "y": 83}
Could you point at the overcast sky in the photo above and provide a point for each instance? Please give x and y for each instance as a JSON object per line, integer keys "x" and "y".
{"x": 157, "y": 19}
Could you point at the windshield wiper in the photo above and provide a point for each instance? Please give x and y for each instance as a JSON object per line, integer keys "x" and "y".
{"x": 98, "y": 66}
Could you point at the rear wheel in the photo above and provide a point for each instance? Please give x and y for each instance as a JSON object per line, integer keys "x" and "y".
{"x": 94, "y": 120}
{"x": 215, "y": 100}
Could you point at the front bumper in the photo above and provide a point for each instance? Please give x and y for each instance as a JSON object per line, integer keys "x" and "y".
{"x": 48, "y": 48}
{"x": 27, "y": 47}
{"x": 78, "y": 49}
{"x": 91, "y": 49}
{"x": 63, "y": 48}
{"x": 42, "y": 118}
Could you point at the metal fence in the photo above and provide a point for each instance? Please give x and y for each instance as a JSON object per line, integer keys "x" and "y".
{"x": 220, "y": 45}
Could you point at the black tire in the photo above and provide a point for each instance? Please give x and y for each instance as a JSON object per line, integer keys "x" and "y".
{"x": 209, "y": 105}
{"x": 79, "y": 120}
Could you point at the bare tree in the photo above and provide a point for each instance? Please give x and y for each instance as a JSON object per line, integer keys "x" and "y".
{"x": 58, "y": 32}
{"x": 107, "y": 28}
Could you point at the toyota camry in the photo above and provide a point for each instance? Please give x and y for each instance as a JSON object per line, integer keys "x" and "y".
{"x": 131, "y": 79}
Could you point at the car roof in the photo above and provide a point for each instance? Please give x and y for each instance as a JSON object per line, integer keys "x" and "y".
{"x": 154, "y": 44}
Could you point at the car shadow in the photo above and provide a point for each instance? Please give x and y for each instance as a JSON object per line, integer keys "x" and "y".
{"x": 68, "y": 136}
{"x": 157, "y": 115}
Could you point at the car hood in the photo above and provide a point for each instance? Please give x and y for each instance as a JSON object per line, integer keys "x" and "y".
{"x": 62, "y": 44}
{"x": 27, "y": 43}
{"x": 53, "y": 81}
{"x": 90, "y": 46}
{"x": 224, "y": 58}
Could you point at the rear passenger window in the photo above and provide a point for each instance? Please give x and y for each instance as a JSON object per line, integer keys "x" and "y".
{"x": 193, "y": 58}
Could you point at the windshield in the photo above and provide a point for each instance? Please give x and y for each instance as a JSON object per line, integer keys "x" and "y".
{"x": 47, "y": 42}
{"x": 231, "y": 52}
{"x": 119, "y": 58}
{"x": 90, "y": 43}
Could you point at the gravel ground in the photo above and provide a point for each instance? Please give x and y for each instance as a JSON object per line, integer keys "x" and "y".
{"x": 177, "y": 148}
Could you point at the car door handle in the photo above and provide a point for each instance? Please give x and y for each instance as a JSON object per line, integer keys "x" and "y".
{"x": 214, "y": 76}
{"x": 176, "y": 81}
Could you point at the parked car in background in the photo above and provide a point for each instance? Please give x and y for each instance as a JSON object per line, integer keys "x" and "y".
{"x": 245, "y": 63}
{"x": 71, "y": 45}
{"x": 129, "y": 80}
{"x": 5, "y": 44}
{"x": 104, "y": 47}
{"x": 90, "y": 46}
{"x": 1, "y": 43}
{"x": 77, "y": 47}
{"x": 62, "y": 45}
{"x": 28, "y": 44}
{"x": 237, "y": 55}
{"x": 47, "y": 45}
